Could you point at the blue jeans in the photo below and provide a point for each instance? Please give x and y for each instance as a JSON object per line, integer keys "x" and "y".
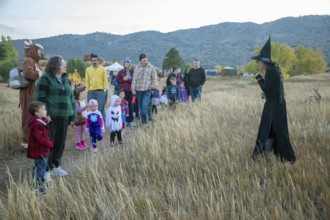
{"x": 196, "y": 93}
{"x": 99, "y": 96}
{"x": 39, "y": 169}
{"x": 143, "y": 98}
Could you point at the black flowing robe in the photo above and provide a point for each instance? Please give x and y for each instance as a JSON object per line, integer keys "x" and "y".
{"x": 274, "y": 122}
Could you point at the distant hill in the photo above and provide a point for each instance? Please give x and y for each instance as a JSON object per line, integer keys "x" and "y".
{"x": 226, "y": 44}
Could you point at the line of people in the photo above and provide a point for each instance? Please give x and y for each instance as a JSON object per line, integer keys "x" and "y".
{"x": 56, "y": 106}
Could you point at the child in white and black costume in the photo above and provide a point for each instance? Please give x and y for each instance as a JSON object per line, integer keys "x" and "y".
{"x": 113, "y": 119}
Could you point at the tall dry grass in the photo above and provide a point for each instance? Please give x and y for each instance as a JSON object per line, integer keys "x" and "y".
{"x": 194, "y": 163}
{"x": 10, "y": 133}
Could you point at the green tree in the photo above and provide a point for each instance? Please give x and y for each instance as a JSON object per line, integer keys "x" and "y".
{"x": 309, "y": 61}
{"x": 188, "y": 66}
{"x": 78, "y": 64}
{"x": 7, "y": 49}
{"x": 5, "y": 67}
{"x": 172, "y": 58}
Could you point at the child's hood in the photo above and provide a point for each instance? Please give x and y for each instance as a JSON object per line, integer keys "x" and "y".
{"x": 113, "y": 100}
{"x": 33, "y": 119}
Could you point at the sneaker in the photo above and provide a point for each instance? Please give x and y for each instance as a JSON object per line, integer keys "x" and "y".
{"x": 112, "y": 143}
{"x": 121, "y": 142}
{"x": 83, "y": 144}
{"x": 24, "y": 145}
{"x": 58, "y": 171}
{"x": 47, "y": 177}
{"x": 94, "y": 150}
{"x": 79, "y": 146}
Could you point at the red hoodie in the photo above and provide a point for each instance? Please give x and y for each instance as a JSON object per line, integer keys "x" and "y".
{"x": 39, "y": 138}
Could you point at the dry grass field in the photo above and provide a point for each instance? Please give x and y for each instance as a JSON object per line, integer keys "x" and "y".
{"x": 193, "y": 162}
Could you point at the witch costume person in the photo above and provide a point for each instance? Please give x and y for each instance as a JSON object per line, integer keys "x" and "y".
{"x": 273, "y": 135}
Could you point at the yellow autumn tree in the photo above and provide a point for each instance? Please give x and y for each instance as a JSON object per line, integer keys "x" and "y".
{"x": 282, "y": 54}
{"x": 309, "y": 61}
{"x": 75, "y": 78}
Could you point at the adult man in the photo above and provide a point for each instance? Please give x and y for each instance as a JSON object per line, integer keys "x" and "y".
{"x": 96, "y": 83}
{"x": 144, "y": 79}
{"x": 196, "y": 80}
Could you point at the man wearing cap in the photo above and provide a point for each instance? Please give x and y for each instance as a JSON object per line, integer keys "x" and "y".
{"x": 273, "y": 135}
{"x": 144, "y": 79}
{"x": 96, "y": 83}
{"x": 32, "y": 72}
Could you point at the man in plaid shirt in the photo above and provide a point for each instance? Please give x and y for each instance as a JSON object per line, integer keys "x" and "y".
{"x": 144, "y": 80}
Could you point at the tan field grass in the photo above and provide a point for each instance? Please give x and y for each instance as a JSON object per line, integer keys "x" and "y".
{"x": 10, "y": 135}
{"x": 194, "y": 163}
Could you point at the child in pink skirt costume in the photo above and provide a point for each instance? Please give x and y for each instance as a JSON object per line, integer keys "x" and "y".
{"x": 80, "y": 94}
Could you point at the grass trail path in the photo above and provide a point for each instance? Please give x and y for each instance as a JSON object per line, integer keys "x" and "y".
{"x": 19, "y": 166}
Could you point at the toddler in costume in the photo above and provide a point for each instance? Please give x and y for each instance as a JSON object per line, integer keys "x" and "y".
{"x": 155, "y": 100}
{"x": 94, "y": 124}
{"x": 113, "y": 119}
{"x": 163, "y": 98}
{"x": 80, "y": 94}
{"x": 183, "y": 95}
{"x": 124, "y": 108}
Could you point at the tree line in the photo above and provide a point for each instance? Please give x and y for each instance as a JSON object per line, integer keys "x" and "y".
{"x": 301, "y": 60}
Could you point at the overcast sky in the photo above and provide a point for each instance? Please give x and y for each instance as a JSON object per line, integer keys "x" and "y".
{"x": 30, "y": 19}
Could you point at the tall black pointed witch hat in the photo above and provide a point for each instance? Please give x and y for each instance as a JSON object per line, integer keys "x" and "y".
{"x": 265, "y": 53}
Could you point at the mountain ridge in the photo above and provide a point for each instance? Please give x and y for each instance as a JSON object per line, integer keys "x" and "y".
{"x": 225, "y": 44}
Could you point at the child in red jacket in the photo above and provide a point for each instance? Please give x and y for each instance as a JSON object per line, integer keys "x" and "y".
{"x": 39, "y": 145}
{"x": 124, "y": 108}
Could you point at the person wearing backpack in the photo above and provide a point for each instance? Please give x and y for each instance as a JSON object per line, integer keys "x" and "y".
{"x": 31, "y": 72}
